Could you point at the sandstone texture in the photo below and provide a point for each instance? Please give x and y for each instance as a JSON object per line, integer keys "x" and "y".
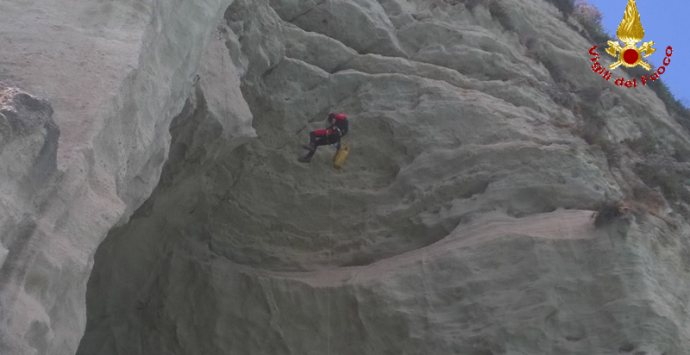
{"x": 116, "y": 74}
{"x": 154, "y": 204}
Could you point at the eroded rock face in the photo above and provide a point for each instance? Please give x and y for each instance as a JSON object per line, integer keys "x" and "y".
{"x": 461, "y": 224}
{"x": 116, "y": 73}
{"x": 28, "y": 148}
{"x": 542, "y": 284}
{"x": 28, "y": 137}
{"x": 440, "y": 236}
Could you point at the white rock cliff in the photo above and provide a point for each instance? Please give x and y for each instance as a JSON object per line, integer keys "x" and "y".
{"x": 150, "y": 148}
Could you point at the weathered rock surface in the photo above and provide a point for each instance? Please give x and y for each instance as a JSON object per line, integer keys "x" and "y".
{"x": 28, "y": 148}
{"x": 116, "y": 74}
{"x": 461, "y": 224}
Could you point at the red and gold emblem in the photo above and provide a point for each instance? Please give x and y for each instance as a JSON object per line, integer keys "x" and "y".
{"x": 630, "y": 32}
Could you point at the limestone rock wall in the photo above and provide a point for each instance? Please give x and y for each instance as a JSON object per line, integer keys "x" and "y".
{"x": 461, "y": 224}
{"x": 115, "y": 73}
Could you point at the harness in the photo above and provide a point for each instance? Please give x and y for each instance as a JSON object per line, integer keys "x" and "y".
{"x": 341, "y": 132}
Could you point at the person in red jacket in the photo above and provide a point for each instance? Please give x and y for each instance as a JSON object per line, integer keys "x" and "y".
{"x": 337, "y": 128}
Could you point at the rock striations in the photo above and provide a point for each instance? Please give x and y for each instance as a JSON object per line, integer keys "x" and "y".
{"x": 153, "y": 203}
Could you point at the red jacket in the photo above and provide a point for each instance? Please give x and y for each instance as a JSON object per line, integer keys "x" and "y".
{"x": 340, "y": 123}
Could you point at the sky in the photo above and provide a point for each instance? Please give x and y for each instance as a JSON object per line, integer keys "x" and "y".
{"x": 665, "y": 22}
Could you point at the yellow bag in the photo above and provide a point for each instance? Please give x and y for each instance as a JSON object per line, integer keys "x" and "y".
{"x": 340, "y": 156}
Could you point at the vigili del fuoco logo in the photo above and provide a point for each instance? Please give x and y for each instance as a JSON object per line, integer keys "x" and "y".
{"x": 630, "y": 32}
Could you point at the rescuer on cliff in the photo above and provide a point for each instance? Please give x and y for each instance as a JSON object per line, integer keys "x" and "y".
{"x": 337, "y": 128}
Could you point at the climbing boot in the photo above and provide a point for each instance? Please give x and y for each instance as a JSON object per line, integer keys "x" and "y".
{"x": 304, "y": 159}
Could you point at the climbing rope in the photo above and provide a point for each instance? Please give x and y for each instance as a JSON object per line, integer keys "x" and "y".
{"x": 330, "y": 236}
